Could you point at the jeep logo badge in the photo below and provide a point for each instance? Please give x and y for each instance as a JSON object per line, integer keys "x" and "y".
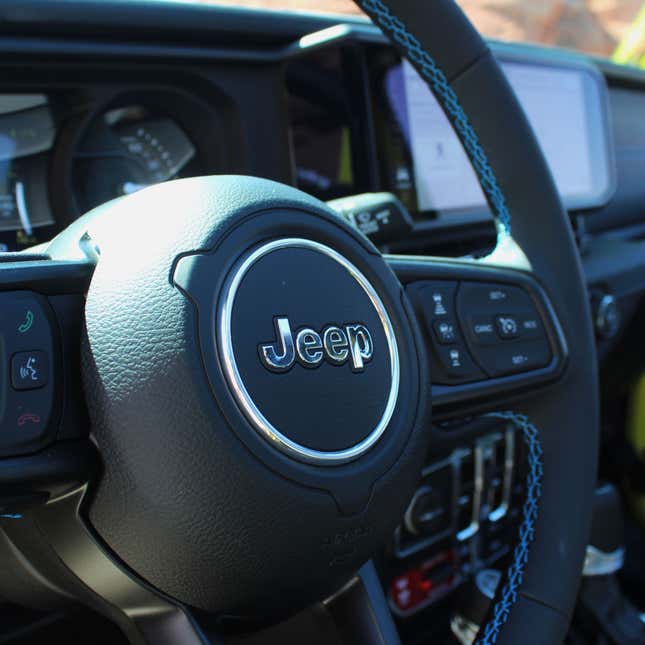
{"x": 301, "y": 373}
{"x": 335, "y": 344}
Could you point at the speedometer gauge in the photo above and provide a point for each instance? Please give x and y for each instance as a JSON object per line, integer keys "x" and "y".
{"x": 160, "y": 147}
{"x": 127, "y": 149}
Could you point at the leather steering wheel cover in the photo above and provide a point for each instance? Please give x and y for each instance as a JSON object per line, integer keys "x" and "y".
{"x": 567, "y": 414}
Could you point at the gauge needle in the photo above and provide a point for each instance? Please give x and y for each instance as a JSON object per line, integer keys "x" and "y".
{"x": 21, "y": 205}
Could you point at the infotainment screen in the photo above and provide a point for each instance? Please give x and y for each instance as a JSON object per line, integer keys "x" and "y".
{"x": 565, "y": 105}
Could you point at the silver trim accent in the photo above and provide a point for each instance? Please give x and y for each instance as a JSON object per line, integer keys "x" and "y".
{"x": 483, "y": 450}
{"x": 408, "y": 519}
{"x": 255, "y": 416}
{"x": 21, "y": 205}
{"x": 452, "y": 462}
{"x": 473, "y": 527}
{"x": 599, "y": 563}
{"x": 464, "y": 630}
{"x": 509, "y": 458}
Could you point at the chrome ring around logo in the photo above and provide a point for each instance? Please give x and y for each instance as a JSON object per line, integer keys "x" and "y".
{"x": 248, "y": 406}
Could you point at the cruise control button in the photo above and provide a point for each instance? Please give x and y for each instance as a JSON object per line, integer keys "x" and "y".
{"x": 29, "y": 370}
{"x": 444, "y": 331}
{"x": 494, "y": 298}
{"x": 516, "y": 356}
{"x": 531, "y": 326}
{"x": 482, "y": 330}
{"x": 507, "y": 326}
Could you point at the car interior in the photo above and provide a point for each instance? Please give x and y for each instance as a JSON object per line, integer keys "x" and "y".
{"x": 317, "y": 328}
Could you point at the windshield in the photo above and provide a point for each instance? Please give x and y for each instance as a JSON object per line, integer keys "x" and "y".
{"x": 611, "y": 28}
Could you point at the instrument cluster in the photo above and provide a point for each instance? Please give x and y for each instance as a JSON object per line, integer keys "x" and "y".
{"x": 64, "y": 153}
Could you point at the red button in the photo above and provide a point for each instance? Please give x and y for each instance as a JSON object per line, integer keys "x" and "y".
{"x": 414, "y": 587}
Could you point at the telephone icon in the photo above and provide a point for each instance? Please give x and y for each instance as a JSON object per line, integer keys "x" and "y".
{"x": 28, "y": 322}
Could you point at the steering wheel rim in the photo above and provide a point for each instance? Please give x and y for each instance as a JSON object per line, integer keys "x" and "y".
{"x": 449, "y": 54}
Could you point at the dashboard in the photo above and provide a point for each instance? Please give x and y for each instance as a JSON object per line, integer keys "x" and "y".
{"x": 67, "y": 146}
{"x": 332, "y": 110}
{"x": 84, "y": 135}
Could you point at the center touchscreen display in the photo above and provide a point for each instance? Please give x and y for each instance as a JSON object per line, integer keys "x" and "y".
{"x": 563, "y": 104}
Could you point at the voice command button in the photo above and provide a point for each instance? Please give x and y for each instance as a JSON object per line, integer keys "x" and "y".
{"x": 29, "y": 370}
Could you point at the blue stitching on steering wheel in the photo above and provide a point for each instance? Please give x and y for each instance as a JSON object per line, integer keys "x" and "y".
{"x": 440, "y": 86}
{"x": 515, "y": 572}
{"x": 448, "y": 99}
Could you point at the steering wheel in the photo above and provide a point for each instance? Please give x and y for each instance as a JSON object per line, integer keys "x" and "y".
{"x": 258, "y": 385}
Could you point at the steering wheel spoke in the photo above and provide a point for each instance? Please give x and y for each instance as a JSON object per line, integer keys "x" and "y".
{"x": 491, "y": 332}
{"x": 356, "y": 613}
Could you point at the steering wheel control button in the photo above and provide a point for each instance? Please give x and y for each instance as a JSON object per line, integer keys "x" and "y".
{"x": 27, "y": 416}
{"x": 507, "y": 326}
{"x": 503, "y": 328}
{"x": 482, "y": 329}
{"x": 451, "y": 359}
{"x": 27, "y": 350}
{"x": 457, "y": 364}
{"x": 438, "y": 300}
{"x": 445, "y": 332}
{"x": 29, "y": 370}
{"x": 302, "y": 358}
{"x": 494, "y": 298}
{"x": 531, "y": 326}
{"x": 515, "y": 357}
